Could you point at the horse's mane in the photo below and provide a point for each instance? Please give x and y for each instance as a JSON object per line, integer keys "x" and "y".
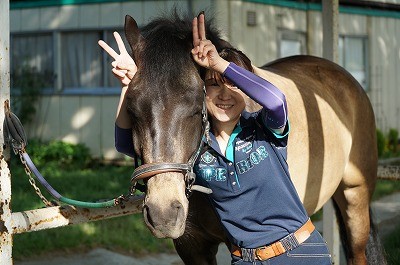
{"x": 168, "y": 42}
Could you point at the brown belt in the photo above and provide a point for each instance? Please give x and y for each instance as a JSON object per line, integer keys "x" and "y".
{"x": 278, "y": 248}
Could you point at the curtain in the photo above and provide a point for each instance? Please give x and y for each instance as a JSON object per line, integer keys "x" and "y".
{"x": 33, "y": 51}
{"x": 81, "y": 60}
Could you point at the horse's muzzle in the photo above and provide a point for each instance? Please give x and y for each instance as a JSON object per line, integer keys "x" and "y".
{"x": 165, "y": 222}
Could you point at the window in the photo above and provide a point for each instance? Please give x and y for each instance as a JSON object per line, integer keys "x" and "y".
{"x": 33, "y": 51}
{"x": 81, "y": 60}
{"x": 84, "y": 66}
{"x": 353, "y": 57}
{"x": 291, "y": 43}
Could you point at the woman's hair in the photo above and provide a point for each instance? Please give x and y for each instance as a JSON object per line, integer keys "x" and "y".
{"x": 235, "y": 56}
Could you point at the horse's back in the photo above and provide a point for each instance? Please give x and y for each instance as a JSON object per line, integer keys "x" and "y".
{"x": 332, "y": 125}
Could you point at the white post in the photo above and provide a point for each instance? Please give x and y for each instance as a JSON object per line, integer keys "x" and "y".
{"x": 330, "y": 14}
{"x": 5, "y": 177}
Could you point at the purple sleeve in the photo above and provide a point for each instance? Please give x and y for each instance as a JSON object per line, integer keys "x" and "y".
{"x": 123, "y": 141}
{"x": 263, "y": 92}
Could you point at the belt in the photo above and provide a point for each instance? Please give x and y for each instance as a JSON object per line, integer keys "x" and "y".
{"x": 279, "y": 247}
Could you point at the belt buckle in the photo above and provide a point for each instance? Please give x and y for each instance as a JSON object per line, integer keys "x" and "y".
{"x": 258, "y": 254}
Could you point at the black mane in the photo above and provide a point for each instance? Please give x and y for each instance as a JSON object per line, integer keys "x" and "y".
{"x": 168, "y": 41}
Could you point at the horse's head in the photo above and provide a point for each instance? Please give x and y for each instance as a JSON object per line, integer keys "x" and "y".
{"x": 165, "y": 101}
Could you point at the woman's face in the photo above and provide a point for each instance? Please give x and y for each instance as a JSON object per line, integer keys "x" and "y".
{"x": 225, "y": 102}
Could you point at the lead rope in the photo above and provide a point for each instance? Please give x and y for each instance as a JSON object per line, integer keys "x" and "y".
{"x": 14, "y": 135}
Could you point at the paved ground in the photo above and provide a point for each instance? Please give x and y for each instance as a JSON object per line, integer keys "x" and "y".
{"x": 386, "y": 215}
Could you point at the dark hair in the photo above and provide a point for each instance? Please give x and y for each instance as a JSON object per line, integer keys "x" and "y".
{"x": 232, "y": 55}
{"x": 237, "y": 57}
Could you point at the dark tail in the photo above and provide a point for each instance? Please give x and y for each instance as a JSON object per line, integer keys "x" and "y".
{"x": 375, "y": 252}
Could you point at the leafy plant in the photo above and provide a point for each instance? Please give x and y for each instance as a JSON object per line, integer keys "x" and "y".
{"x": 387, "y": 144}
{"x": 393, "y": 137}
{"x": 60, "y": 154}
{"x": 380, "y": 138}
{"x": 26, "y": 86}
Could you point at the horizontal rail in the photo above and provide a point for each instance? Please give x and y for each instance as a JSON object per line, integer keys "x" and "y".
{"x": 58, "y": 216}
{"x": 389, "y": 172}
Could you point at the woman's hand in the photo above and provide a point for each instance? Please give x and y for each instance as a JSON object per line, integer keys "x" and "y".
{"x": 204, "y": 52}
{"x": 124, "y": 67}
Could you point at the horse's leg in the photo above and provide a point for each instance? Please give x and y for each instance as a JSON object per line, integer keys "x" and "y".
{"x": 353, "y": 200}
{"x": 353, "y": 204}
{"x": 203, "y": 233}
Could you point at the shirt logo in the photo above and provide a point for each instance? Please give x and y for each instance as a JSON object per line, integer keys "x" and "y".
{"x": 209, "y": 173}
{"x": 207, "y": 157}
{"x": 254, "y": 158}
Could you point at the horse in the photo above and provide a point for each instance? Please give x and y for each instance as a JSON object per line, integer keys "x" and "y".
{"x": 332, "y": 150}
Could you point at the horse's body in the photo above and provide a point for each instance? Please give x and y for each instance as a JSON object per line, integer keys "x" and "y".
{"x": 332, "y": 148}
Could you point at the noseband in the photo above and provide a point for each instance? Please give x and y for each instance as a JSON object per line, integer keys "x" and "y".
{"x": 148, "y": 170}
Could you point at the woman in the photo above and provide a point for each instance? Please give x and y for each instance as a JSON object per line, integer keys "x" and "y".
{"x": 245, "y": 163}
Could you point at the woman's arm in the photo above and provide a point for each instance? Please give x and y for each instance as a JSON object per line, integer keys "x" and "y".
{"x": 124, "y": 68}
{"x": 270, "y": 97}
{"x": 264, "y": 93}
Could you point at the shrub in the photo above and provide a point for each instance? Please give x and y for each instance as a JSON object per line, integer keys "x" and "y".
{"x": 58, "y": 153}
{"x": 393, "y": 137}
{"x": 381, "y": 141}
{"x": 387, "y": 144}
{"x": 27, "y": 83}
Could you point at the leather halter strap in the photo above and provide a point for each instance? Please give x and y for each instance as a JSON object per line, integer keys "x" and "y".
{"x": 150, "y": 169}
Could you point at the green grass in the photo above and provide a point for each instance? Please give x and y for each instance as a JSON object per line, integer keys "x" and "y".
{"x": 385, "y": 187}
{"x": 126, "y": 234}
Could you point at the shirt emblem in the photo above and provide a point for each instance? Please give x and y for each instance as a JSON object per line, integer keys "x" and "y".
{"x": 207, "y": 157}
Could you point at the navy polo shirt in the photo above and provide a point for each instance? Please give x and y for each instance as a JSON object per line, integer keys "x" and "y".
{"x": 252, "y": 191}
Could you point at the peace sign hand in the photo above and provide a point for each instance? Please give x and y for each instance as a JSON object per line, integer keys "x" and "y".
{"x": 124, "y": 67}
{"x": 204, "y": 52}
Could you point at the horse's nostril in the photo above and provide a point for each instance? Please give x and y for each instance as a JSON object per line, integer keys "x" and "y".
{"x": 146, "y": 213}
{"x": 177, "y": 205}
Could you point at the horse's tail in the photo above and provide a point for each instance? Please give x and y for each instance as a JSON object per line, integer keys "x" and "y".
{"x": 375, "y": 252}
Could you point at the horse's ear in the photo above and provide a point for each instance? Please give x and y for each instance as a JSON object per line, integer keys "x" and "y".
{"x": 132, "y": 32}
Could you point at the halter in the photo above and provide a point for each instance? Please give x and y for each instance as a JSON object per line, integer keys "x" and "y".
{"x": 148, "y": 170}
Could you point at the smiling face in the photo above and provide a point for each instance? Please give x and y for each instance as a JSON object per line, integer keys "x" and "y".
{"x": 225, "y": 102}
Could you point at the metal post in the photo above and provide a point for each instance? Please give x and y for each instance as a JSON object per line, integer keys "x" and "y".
{"x": 5, "y": 177}
{"x": 330, "y": 14}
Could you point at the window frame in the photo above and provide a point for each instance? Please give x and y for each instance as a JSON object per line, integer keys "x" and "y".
{"x": 57, "y": 87}
{"x": 365, "y": 42}
{"x": 291, "y": 35}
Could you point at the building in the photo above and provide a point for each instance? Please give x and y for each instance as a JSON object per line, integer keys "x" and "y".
{"x": 59, "y": 39}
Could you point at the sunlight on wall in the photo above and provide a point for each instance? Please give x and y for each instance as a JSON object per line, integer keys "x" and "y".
{"x": 71, "y": 138}
{"x": 82, "y": 117}
{"x": 382, "y": 47}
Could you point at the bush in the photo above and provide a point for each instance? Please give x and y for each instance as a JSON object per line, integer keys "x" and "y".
{"x": 58, "y": 153}
{"x": 393, "y": 137}
{"x": 387, "y": 144}
{"x": 380, "y": 138}
{"x": 27, "y": 83}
